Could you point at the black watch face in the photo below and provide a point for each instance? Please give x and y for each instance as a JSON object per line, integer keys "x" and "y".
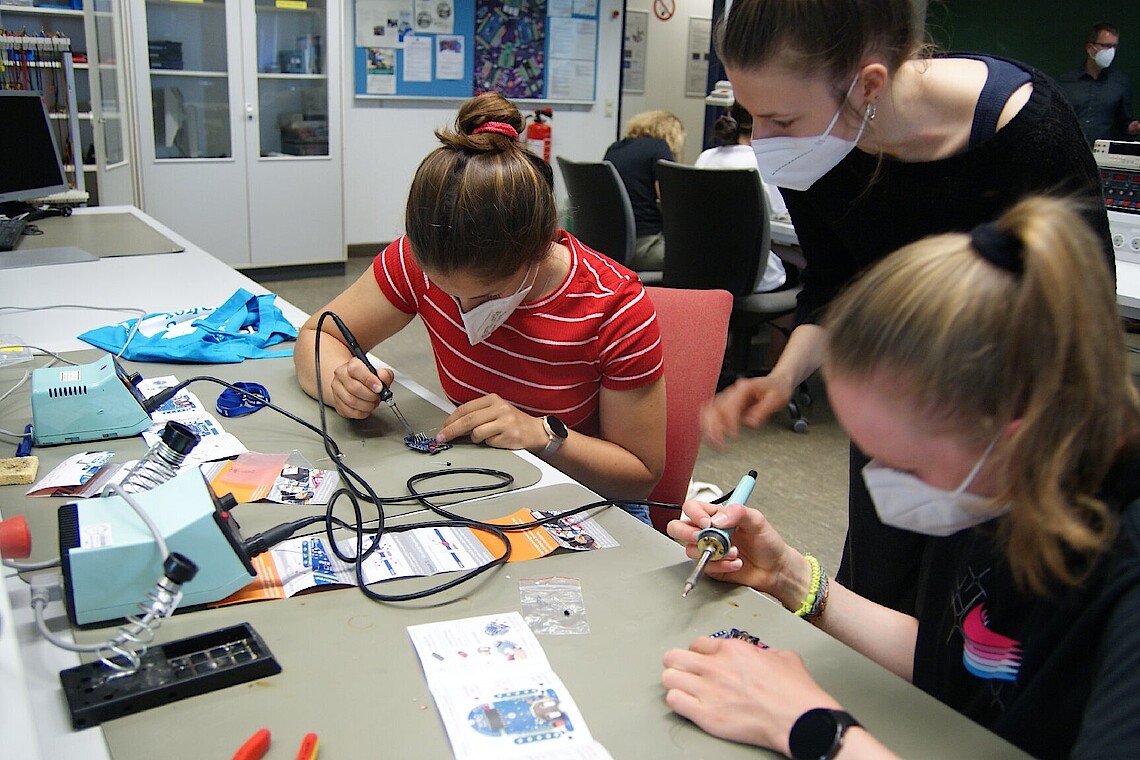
{"x": 813, "y": 735}
{"x": 557, "y": 426}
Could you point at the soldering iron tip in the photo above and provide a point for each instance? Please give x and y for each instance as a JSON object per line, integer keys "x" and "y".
{"x": 688, "y": 588}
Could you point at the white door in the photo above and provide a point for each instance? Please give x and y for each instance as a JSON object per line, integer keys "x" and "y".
{"x": 109, "y": 106}
{"x": 292, "y": 109}
{"x": 191, "y": 122}
{"x": 240, "y": 135}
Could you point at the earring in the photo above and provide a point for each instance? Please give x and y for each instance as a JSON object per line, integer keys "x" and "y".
{"x": 871, "y": 112}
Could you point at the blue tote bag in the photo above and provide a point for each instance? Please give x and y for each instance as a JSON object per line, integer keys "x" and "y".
{"x": 244, "y": 327}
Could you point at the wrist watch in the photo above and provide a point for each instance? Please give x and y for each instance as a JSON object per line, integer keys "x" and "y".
{"x": 818, "y": 734}
{"x": 556, "y": 431}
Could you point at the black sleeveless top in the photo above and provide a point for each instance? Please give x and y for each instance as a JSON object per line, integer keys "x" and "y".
{"x": 1003, "y": 80}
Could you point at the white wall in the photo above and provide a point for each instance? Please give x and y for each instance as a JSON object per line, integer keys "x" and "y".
{"x": 384, "y": 141}
{"x": 667, "y": 43}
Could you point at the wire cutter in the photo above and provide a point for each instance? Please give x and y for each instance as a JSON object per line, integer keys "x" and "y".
{"x": 257, "y": 745}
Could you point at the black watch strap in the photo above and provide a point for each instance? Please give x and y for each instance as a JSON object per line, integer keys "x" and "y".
{"x": 818, "y": 734}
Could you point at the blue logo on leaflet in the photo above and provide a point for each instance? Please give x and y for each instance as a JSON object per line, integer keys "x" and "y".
{"x": 314, "y": 557}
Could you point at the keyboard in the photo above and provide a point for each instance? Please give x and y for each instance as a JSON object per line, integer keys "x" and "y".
{"x": 10, "y": 232}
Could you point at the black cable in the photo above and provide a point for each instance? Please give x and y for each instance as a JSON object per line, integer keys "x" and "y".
{"x": 262, "y": 542}
{"x": 356, "y": 489}
{"x": 266, "y": 540}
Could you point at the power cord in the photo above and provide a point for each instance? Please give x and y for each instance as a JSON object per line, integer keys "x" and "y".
{"x": 130, "y": 335}
{"x": 357, "y": 490}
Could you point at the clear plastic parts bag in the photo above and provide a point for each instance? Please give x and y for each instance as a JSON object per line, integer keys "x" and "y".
{"x": 553, "y": 606}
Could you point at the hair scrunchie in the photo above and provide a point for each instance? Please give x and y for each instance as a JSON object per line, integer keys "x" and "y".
{"x": 999, "y": 248}
{"x": 498, "y": 127}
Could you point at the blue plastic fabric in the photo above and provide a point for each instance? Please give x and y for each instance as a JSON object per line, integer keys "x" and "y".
{"x": 242, "y": 328}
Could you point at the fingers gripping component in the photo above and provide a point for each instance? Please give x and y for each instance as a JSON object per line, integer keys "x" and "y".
{"x": 425, "y": 443}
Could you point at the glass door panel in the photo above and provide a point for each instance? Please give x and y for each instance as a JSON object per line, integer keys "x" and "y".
{"x": 111, "y": 116}
{"x": 189, "y": 79}
{"x": 292, "y": 85}
{"x": 104, "y": 62}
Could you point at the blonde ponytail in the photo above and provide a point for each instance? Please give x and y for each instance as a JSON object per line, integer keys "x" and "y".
{"x": 986, "y": 340}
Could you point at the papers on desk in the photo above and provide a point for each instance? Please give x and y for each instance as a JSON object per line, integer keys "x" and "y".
{"x": 280, "y": 478}
{"x": 87, "y": 473}
{"x": 213, "y": 441}
{"x": 496, "y": 692}
{"x": 81, "y": 475}
{"x": 577, "y": 533}
{"x": 306, "y": 563}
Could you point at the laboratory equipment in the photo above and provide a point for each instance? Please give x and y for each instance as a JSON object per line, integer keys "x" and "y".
{"x": 108, "y": 554}
{"x": 86, "y": 402}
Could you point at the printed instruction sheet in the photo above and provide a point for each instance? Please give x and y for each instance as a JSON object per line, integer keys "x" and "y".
{"x": 496, "y": 693}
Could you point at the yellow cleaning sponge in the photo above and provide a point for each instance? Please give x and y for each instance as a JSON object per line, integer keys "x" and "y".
{"x": 15, "y": 471}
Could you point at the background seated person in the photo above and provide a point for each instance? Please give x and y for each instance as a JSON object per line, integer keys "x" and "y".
{"x": 991, "y": 389}
{"x": 525, "y": 322}
{"x": 649, "y": 137}
{"x": 732, "y": 133}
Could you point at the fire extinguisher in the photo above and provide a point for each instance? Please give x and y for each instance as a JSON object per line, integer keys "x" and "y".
{"x": 538, "y": 134}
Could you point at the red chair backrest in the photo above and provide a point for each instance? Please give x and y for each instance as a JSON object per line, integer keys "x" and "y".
{"x": 694, "y": 329}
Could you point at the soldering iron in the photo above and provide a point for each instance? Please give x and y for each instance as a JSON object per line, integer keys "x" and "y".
{"x": 385, "y": 392}
{"x": 714, "y": 543}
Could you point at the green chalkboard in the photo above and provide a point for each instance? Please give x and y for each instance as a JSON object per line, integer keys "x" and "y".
{"x": 1046, "y": 34}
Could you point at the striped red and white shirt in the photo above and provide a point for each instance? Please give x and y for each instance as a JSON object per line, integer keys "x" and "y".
{"x": 551, "y": 356}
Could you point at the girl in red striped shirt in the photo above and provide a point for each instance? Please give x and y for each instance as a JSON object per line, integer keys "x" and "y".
{"x": 542, "y": 343}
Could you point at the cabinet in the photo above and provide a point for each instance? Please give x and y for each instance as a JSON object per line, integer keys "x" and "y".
{"x": 239, "y": 134}
{"x": 95, "y": 30}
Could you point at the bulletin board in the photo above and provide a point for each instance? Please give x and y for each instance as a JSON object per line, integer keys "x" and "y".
{"x": 543, "y": 50}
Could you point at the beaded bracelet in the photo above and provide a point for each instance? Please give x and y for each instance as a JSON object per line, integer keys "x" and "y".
{"x": 808, "y": 603}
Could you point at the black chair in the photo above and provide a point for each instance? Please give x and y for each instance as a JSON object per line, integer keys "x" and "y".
{"x": 718, "y": 235}
{"x": 600, "y": 211}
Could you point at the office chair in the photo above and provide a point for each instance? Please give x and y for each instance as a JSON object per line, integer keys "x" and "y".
{"x": 600, "y": 210}
{"x": 694, "y": 332}
{"x": 718, "y": 235}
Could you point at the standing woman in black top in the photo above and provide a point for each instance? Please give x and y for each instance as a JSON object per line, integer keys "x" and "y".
{"x": 875, "y": 146}
{"x": 649, "y": 137}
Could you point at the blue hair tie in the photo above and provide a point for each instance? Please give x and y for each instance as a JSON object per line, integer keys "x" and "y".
{"x": 999, "y": 248}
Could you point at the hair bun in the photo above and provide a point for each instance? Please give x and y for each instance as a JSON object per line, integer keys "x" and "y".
{"x": 488, "y": 107}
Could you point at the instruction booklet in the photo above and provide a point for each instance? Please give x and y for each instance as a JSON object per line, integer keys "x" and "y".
{"x": 497, "y": 695}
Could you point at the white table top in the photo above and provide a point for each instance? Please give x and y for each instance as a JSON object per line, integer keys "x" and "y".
{"x": 153, "y": 283}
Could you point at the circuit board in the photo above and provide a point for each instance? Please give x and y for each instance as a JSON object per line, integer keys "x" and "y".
{"x": 424, "y": 443}
{"x": 736, "y": 633}
{"x": 528, "y": 716}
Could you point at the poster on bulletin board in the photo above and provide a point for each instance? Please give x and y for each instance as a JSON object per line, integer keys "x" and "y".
{"x": 447, "y": 49}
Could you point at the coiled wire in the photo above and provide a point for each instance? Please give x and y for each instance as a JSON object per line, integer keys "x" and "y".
{"x": 162, "y": 461}
{"x": 162, "y": 601}
{"x": 136, "y": 636}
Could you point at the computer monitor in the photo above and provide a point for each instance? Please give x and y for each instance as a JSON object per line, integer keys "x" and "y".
{"x": 31, "y": 167}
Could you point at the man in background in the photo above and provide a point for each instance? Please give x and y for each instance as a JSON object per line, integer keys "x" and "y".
{"x": 1100, "y": 95}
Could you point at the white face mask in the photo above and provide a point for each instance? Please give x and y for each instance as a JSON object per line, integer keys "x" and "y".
{"x": 904, "y": 501}
{"x": 489, "y": 316}
{"x": 797, "y": 163}
{"x": 1103, "y": 58}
